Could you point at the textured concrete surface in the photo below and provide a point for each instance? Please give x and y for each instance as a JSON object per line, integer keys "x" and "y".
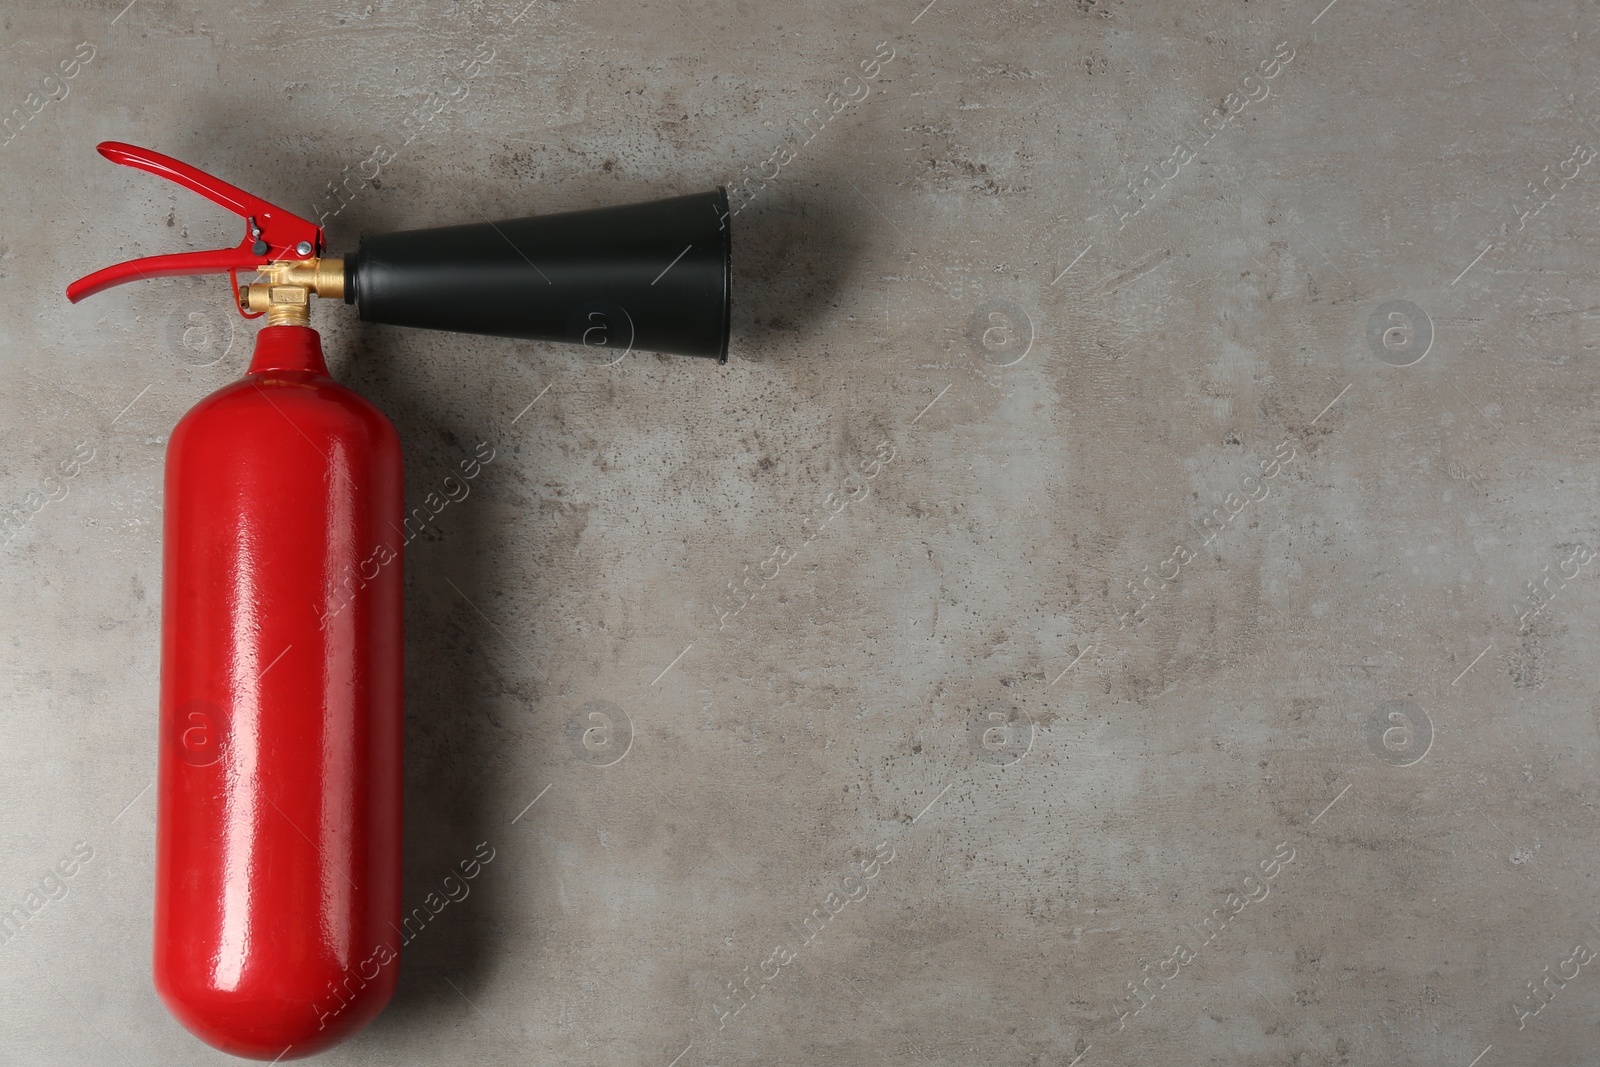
{"x": 1159, "y": 457}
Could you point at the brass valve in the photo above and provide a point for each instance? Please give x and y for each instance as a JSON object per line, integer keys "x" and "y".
{"x": 286, "y": 296}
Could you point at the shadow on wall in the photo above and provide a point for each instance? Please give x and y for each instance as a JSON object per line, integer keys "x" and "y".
{"x": 794, "y": 248}
{"x": 460, "y": 755}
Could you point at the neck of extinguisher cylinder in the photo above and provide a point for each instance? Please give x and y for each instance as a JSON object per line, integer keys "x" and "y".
{"x": 288, "y": 348}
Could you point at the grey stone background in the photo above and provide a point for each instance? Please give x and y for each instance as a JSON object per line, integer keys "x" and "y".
{"x": 1083, "y": 323}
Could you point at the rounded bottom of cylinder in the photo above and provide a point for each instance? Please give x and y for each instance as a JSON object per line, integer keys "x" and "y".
{"x": 278, "y": 1025}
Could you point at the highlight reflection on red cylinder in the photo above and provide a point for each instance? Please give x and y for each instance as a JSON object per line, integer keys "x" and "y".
{"x": 279, "y": 810}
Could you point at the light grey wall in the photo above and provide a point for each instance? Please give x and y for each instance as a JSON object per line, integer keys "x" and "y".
{"x": 1073, "y": 318}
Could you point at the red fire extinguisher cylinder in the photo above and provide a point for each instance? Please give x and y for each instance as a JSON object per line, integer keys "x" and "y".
{"x": 279, "y": 810}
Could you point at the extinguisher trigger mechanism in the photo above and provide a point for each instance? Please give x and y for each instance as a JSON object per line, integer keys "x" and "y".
{"x": 277, "y": 243}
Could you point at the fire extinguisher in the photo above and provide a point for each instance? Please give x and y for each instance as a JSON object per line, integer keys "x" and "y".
{"x": 278, "y": 839}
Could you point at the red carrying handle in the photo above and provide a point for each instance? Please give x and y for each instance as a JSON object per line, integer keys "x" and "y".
{"x": 271, "y": 233}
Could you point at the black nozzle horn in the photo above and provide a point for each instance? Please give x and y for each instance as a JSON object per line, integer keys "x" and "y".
{"x": 652, "y": 277}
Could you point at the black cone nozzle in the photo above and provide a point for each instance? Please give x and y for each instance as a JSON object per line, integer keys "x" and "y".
{"x": 652, "y": 277}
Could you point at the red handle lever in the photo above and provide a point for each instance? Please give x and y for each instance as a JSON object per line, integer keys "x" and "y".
{"x": 271, "y": 233}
